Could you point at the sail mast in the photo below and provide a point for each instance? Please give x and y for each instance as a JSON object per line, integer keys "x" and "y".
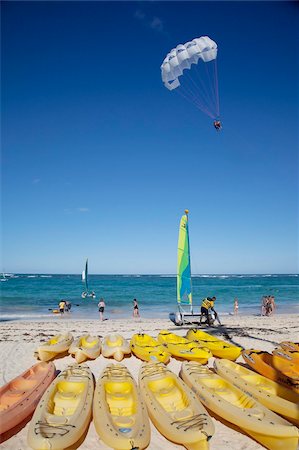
{"x": 184, "y": 285}
{"x": 86, "y": 276}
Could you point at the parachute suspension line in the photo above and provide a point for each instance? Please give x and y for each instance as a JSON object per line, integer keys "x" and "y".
{"x": 196, "y": 103}
{"x": 211, "y": 86}
{"x": 200, "y": 100}
{"x": 203, "y": 98}
{"x": 206, "y": 90}
{"x": 192, "y": 96}
{"x": 216, "y": 87}
{"x": 213, "y": 81}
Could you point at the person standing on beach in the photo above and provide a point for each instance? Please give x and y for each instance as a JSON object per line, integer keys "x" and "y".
{"x": 264, "y": 306}
{"x": 61, "y": 306}
{"x": 270, "y": 306}
{"x": 68, "y": 306}
{"x": 207, "y": 305}
{"x": 135, "y": 308}
{"x": 236, "y": 306}
{"x": 101, "y": 306}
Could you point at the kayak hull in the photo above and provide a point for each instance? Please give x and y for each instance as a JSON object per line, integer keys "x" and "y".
{"x": 64, "y": 412}
{"x": 54, "y": 346}
{"x": 174, "y": 408}
{"x": 183, "y": 348}
{"x": 146, "y": 348}
{"x": 218, "y": 347}
{"x": 115, "y": 346}
{"x": 235, "y": 406}
{"x": 119, "y": 413}
{"x": 272, "y": 395}
{"x": 19, "y": 397}
{"x": 273, "y": 367}
{"x": 85, "y": 347}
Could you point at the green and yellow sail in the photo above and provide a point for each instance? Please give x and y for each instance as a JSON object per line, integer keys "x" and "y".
{"x": 184, "y": 285}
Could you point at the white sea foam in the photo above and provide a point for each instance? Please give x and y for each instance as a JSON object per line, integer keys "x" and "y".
{"x": 23, "y": 316}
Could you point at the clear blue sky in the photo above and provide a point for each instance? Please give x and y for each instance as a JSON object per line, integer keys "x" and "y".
{"x": 100, "y": 160}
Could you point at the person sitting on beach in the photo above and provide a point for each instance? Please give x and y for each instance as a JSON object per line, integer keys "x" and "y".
{"x": 101, "y": 306}
{"x": 236, "y": 306}
{"x": 207, "y": 305}
{"x": 217, "y": 125}
{"x": 61, "y": 306}
{"x": 135, "y": 308}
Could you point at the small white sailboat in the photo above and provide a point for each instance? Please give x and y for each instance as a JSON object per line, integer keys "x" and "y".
{"x": 3, "y": 278}
{"x": 185, "y": 312}
{"x": 86, "y": 293}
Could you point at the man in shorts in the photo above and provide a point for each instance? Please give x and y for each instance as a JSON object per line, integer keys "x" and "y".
{"x": 207, "y": 305}
{"x": 61, "y": 306}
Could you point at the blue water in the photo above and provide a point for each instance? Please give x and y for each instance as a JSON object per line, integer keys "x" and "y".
{"x": 31, "y": 296}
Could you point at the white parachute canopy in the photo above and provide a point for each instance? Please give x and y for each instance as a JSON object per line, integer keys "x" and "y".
{"x": 191, "y": 70}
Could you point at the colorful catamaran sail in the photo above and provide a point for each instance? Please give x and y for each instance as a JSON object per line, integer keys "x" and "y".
{"x": 185, "y": 312}
{"x": 86, "y": 292}
{"x": 184, "y": 284}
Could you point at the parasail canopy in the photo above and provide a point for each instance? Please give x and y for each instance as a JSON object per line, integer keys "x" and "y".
{"x": 191, "y": 70}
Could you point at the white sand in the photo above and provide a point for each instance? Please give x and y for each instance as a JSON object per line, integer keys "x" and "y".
{"x": 18, "y": 340}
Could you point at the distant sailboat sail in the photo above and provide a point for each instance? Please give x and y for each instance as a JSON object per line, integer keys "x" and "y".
{"x": 86, "y": 292}
{"x": 184, "y": 284}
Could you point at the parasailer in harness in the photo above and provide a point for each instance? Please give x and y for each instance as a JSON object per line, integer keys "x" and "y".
{"x": 217, "y": 125}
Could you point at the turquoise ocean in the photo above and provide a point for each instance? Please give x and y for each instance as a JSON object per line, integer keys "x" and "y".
{"x": 30, "y": 297}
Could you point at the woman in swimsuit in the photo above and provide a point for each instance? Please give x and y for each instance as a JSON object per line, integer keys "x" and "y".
{"x": 101, "y": 306}
{"x": 135, "y": 308}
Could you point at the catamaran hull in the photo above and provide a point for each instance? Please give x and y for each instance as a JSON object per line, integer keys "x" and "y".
{"x": 179, "y": 318}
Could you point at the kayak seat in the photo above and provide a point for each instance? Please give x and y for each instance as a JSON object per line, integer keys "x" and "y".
{"x": 9, "y": 398}
{"x": 88, "y": 344}
{"x": 184, "y": 414}
{"x": 65, "y": 403}
{"x": 124, "y": 421}
{"x": 55, "y": 420}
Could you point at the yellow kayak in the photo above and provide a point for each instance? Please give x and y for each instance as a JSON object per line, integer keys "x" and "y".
{"x": 290, "y": 355}
{"x": 147, "y": 348}
{"x": 85, "y": 347}
{"x": 235, "y": 406}
{"x": 218, "y": 347}
{"x": 271, "y": 394}
{"x": 291, "y": 346}
{"x": 274, "y": 367}
{"x": 184, "y": 348}
{"x": 54, "y": 346}
{"x": 64, "y": 412}
{"x": 174, "y": 408}
{"x": 116, "y": 346}
{"x": 119, "y": 413}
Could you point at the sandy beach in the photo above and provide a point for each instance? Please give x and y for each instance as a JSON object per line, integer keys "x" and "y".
{"x": 20, "y": 339}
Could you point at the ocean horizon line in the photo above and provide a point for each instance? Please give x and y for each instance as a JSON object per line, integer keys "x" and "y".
{"x": 260, "y": 274}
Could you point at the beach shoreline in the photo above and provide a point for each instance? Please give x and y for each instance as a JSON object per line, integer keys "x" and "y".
{"x": 19, "y": 339}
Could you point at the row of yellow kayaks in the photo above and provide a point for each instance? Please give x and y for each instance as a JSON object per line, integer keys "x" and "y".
{"x": 197, "y": 346}
{"x": 84, "y": 347}
{"x": 175, "y": 405}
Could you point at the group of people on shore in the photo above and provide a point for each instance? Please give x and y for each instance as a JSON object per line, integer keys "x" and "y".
{"x": 268, "y": 305}
{"x": 64, "y": 306}
{"x": 207, "y": 308}
{"x": 101, "y": 306}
